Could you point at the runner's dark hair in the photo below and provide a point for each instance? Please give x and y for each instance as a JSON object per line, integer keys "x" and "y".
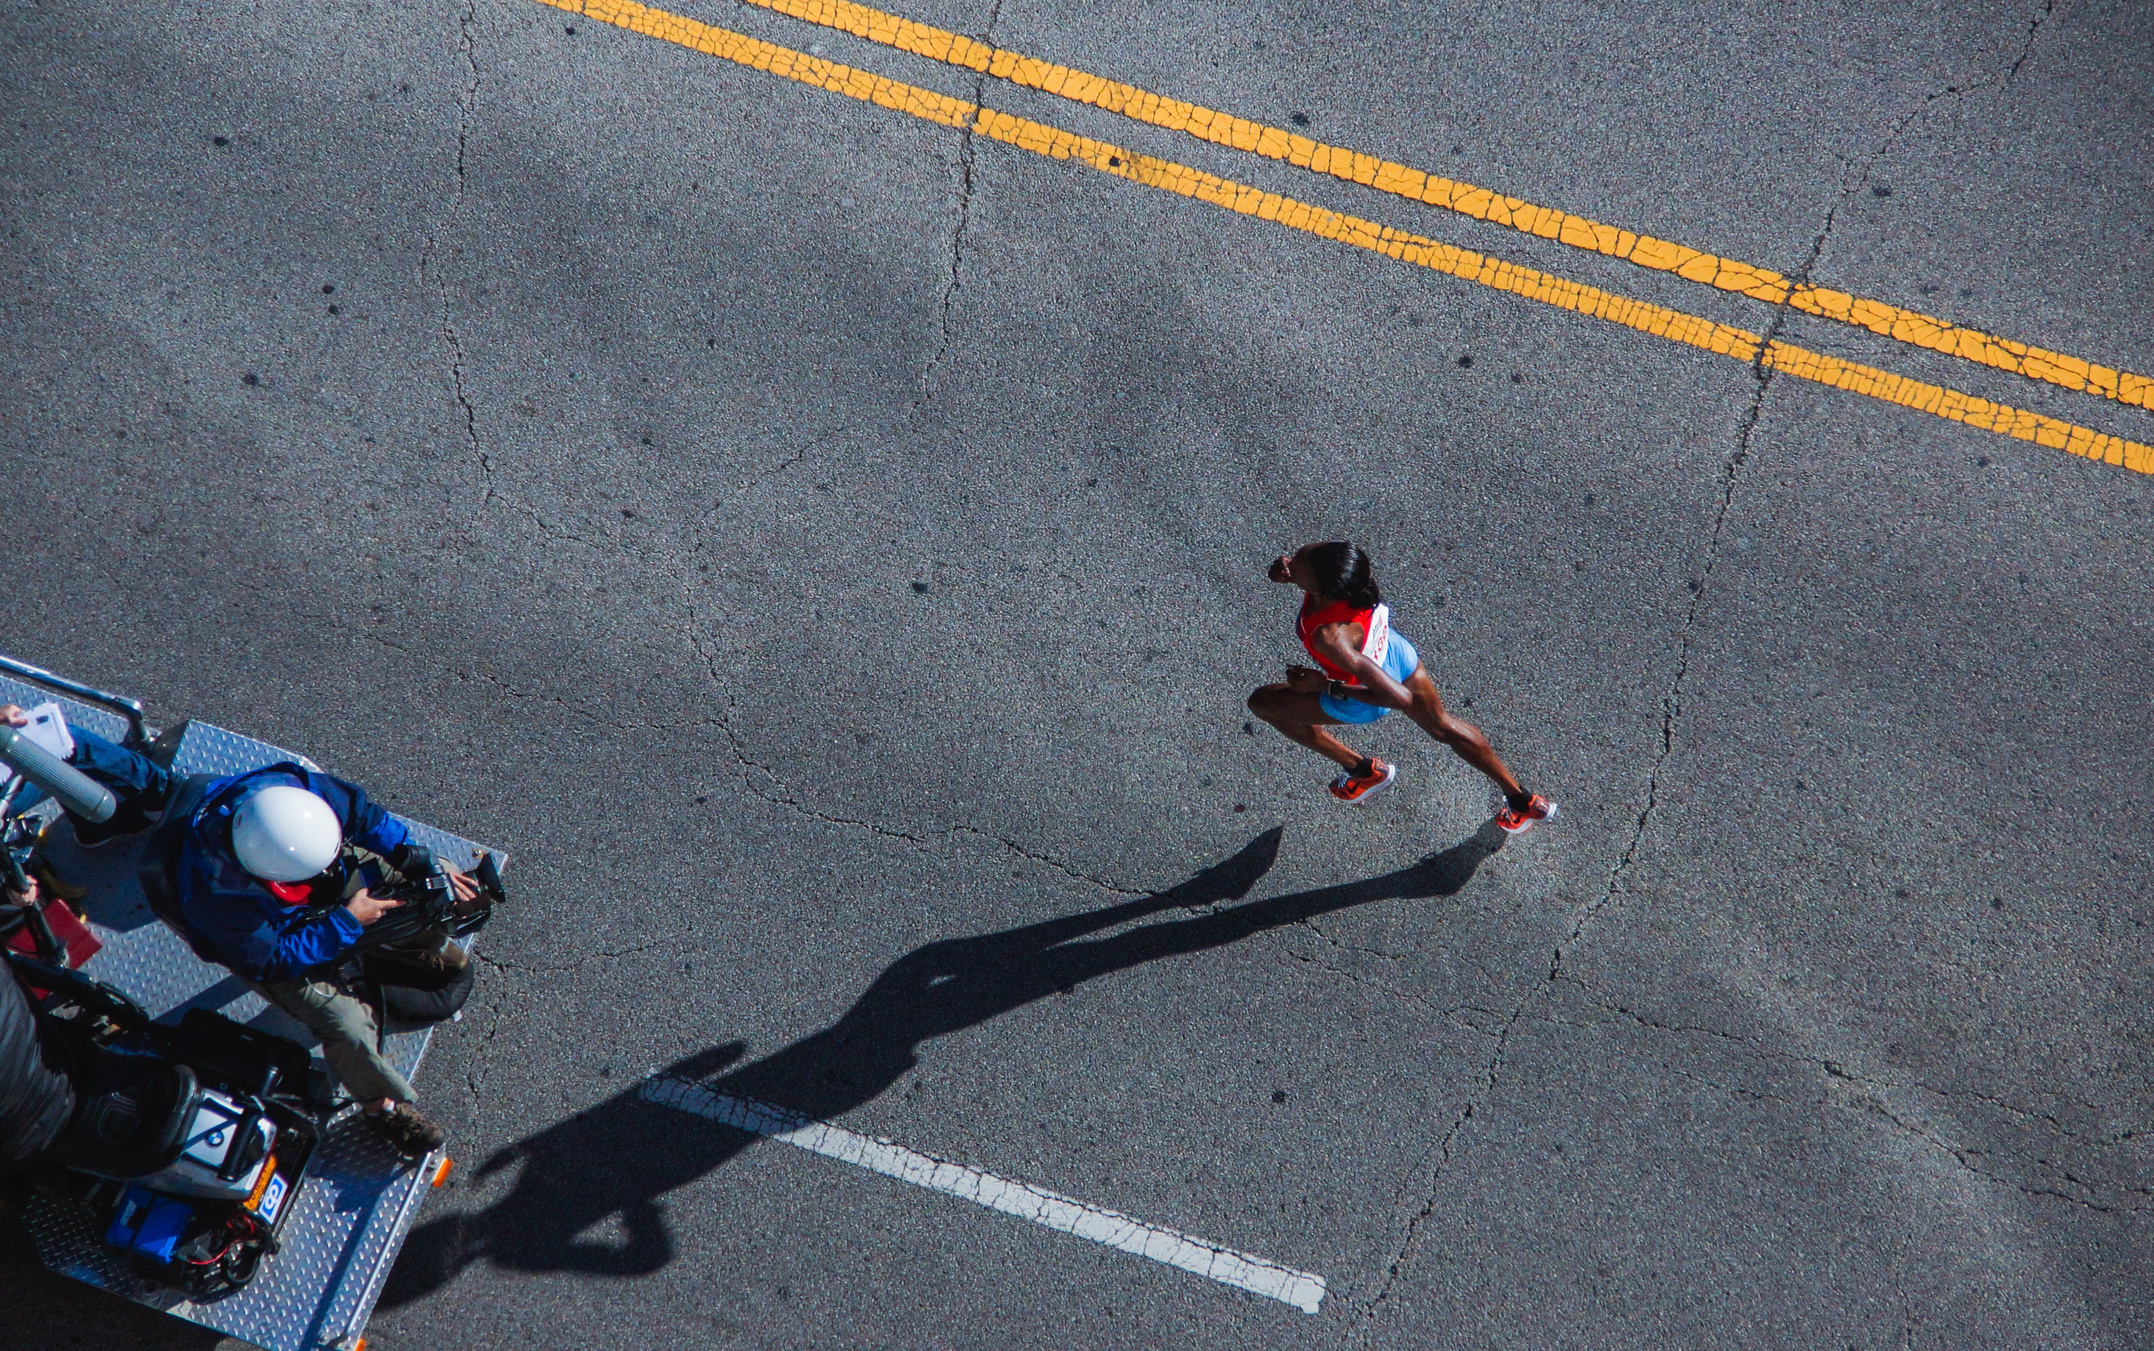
{"x": 1343, "y": 573}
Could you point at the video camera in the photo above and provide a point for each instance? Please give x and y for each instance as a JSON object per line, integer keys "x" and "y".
{"x": 427, "y": 901}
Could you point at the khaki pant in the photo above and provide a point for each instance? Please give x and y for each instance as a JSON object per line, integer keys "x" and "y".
{"x": 345, "y": 1026}
{"x": 350, "y": 1038}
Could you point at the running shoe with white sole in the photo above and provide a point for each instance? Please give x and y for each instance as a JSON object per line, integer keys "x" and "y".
{"x": 1349, "y": 787}
{"x": 1519, "y": 820}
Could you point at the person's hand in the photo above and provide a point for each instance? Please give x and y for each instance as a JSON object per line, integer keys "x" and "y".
{"x": 462, "y": 883}
{"x": 1279, "y": 570}
{"x": 1306, "y": 680}
{"x": 13, "y": 716}
{"x": 367, "y": 907}
{"x": 13, "y": 897}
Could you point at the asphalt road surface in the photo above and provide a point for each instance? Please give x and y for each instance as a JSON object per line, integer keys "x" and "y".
{"x": 824, "y": 545}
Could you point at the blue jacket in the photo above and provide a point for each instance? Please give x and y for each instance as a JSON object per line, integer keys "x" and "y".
{"x": 260, "y": 936}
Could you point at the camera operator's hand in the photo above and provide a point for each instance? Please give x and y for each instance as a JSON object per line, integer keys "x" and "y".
{"x": 9, "y": 895}
{"x": 13, "y": 716}
{"x": 462, "y": 883}
{"x": 366, "y": 908}
{"x": 410, "y": 857}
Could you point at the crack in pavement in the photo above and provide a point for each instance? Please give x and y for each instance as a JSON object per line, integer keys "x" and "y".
{"x": 467, "y": 107}
{"x": 476, "y": 1069}
{"x": 1746, "y": 426}
{"x": 492, "y": 1013}
{"x": 1838, "y": 1068}
{"x": 565, "y": 705}
{"x": 779, "y": 793}
{"x": 1396, "y": 958}
{"x": 1966, "y": 1158}
{"x": 1907, "y": 1310}
{"x": 1369, "y": 982}
{"x": 1404, "y": 996}
{"x": 2026, "y": 48}
{"x": 1671, "y": 717}
{"x": 558, "y": 968}
{"x": 1864, "y": 1095}
{"x": 1370, "y": 1310}
{"x": 1955, "y": 91}
{"x": 966, "y": 151}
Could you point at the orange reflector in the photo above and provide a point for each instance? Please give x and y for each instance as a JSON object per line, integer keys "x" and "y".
{"x": 441, "y": 1174}
{"x": 261, "y": 1184}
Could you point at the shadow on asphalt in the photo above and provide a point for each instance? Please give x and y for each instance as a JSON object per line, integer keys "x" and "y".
{"x": 617, "y": 1159}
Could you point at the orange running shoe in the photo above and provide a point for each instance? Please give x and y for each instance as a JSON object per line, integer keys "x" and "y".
{"x": 1519, "y": 820}
{"x": 1352, "y": 787}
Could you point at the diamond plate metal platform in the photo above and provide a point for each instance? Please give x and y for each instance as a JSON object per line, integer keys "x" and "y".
{"x": 360, "y": 1197}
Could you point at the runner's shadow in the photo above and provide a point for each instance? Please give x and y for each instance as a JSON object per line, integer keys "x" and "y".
{"x": 614, "y": 1161}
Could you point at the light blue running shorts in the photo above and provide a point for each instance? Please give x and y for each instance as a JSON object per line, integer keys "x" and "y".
{"x": 1400, "y": 663}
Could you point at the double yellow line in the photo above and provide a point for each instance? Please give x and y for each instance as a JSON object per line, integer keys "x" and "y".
{"x": 957, "y": 50}
{"x": 1401, "y": 180}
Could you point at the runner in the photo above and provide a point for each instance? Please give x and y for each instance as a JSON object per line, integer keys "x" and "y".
{"x": 1367, "y": 669}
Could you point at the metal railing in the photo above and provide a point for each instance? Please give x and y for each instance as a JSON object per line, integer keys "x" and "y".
{"x": 138, "y": 731}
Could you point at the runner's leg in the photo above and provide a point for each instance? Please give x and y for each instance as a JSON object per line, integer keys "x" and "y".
{"x": 1302, "y": 720}
{"x": 1466, "y": 740}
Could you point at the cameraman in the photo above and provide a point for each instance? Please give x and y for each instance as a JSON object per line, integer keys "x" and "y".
{"x": 276, "y": 876}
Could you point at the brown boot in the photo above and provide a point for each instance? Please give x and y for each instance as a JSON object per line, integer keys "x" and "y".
{"x": 406, "y": 1129}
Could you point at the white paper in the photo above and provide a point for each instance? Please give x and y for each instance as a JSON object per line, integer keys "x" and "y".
{"x": 48, "y": 728}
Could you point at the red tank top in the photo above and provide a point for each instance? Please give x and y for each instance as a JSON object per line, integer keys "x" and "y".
{"x": 1375, "y": 627}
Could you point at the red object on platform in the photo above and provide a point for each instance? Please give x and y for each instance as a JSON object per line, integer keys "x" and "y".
{"x": 68, "y": 927}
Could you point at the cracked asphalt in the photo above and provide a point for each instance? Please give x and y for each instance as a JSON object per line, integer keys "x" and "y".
{"x": 826, "y": 548}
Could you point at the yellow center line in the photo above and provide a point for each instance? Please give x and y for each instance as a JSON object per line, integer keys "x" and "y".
{"x": 1166, "y": 175}
{"x": 1728, "y": 274}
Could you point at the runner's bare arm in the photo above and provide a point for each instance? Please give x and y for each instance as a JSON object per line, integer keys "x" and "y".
{"x": 1341, "y": 643}
{"x": 1306, "y": 680}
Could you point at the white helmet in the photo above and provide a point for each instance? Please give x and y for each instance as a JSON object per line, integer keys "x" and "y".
{"x": 285, "y": 834}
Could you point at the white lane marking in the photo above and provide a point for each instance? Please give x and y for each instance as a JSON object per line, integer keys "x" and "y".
{"x": 1027, "y": 1202}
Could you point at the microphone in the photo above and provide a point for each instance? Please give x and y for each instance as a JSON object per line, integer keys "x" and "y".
{"x": 69, "y": 786}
